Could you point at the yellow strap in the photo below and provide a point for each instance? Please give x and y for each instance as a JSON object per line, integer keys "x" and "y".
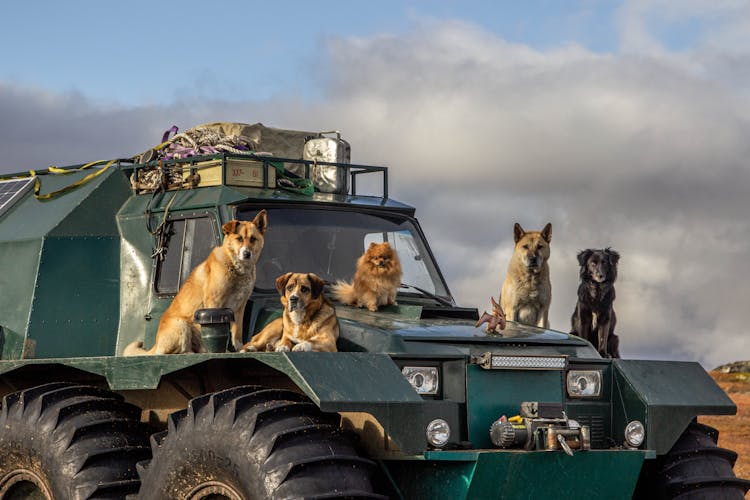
{"x": 63, "y": 171}
{"x": 157, "y": 148}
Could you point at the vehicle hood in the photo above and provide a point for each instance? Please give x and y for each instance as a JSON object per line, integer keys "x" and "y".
{"x": 402, "y": 328}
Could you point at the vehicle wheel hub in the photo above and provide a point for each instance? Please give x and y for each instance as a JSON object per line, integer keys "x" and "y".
{"x": 24, "y": 484}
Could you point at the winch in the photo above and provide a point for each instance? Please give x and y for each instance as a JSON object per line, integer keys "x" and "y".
{"x": 540, "y": 426}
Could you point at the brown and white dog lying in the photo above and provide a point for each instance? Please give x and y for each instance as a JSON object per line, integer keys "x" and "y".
{"x": 225, "y": 279}
{"x": 309, "y": 321}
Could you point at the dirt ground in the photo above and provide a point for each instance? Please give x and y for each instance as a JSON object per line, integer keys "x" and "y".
{"x": 734, "y": 431}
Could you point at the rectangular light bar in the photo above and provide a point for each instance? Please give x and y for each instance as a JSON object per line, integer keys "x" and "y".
{"x": 505, "y": 362}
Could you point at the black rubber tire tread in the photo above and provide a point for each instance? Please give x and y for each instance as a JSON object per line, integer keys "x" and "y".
{"x": 694, "y": 469}
{"x": 83, "y": 441}
{"x": 262, "y": 443}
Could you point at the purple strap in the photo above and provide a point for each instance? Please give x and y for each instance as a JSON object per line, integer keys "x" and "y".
{"x": 169, "y": 132}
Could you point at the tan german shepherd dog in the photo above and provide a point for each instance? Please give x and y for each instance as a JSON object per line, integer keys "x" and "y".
{"x": 527, "y": 292}
{"x": 225, "y": 279}
{"x": 309, "y": 321}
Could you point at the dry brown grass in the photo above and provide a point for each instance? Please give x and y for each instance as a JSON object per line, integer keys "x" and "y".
{"x": 734, "y": 430}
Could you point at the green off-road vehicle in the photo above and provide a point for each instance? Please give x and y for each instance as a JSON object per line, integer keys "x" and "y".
{"x": 417, "y": 404}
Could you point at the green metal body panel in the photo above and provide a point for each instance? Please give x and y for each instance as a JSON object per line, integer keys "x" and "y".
{"x": 224, "y": 196}
{"x": 135, "y": 267}
{"x": 76, "y": 274}
{"x": 493, "y": 393}
{"x": 58, "y": 259}
{"x": 517, "y": 474}
{"x": 18, "y": 268}
{"x": 656, "y": 392}
{"x": 327, "y": 378}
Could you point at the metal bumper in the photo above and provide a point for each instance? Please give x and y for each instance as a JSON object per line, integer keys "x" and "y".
{"x": 490, "y": 474}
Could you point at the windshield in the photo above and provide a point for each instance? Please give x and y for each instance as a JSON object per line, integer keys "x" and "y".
{"x": 328, "y": 243}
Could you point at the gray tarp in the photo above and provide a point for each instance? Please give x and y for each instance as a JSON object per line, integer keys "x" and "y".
{"x": 279, "y": 142}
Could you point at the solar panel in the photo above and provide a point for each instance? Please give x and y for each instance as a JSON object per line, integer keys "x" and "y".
{"x": 12, "y": 190}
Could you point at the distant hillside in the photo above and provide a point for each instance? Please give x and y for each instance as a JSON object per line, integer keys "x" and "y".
{"x": 736, "y": 367}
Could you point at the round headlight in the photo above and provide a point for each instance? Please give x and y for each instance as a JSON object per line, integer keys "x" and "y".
{"x": 634, "y": 434}
{"x": 438, "y": 432}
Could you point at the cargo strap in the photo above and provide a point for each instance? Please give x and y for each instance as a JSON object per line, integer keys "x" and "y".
{"x": 197, "y": 141}
{"x": 63, "y": 171}
{"x": 291, "y": 182}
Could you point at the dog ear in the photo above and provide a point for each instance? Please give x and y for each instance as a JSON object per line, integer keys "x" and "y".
{"x": 230, "y": 227}
{"x": 281, "y": 282}
{"x": 261, "y": 221}
{"x": 518, "y": 232}
{"x": 612, "y": 255}
{"x": 316, "y": 285}
{"x": 547, "y": 232}
{"x": 584, "y": 255}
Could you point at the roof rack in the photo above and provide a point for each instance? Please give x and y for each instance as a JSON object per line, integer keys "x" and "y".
{"x": 247, "y": 170}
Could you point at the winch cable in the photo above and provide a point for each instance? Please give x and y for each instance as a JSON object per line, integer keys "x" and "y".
{"x": 160, "y": 232}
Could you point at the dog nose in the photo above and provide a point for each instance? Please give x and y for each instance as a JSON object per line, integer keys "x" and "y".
{"x": 246, "y": 253}
{"x": 293, "y": 299}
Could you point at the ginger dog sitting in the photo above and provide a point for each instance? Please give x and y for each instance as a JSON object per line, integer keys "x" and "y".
{"x": 376, "y": 279}
{"x": 225, "y": 279}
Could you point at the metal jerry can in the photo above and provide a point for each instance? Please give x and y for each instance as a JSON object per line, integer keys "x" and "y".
{"x": 328, "y": 178}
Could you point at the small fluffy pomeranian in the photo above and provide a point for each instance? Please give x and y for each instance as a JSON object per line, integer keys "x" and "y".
{"x": 376, "y": 279}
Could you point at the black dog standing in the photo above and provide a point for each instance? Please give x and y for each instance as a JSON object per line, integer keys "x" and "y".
{"x": 594, "y": 318}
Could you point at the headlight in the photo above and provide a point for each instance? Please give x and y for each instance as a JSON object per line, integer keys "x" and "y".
{"x": 584, "y": 383}
{"x": 438, "y": 432}
{"x": 634, "y": 434}
{"x": 424, "y": 379}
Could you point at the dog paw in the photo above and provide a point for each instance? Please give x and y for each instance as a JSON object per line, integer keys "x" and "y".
{"x": 303, "y": 346}
{"x": 248, "y": 348}
{"x": 282, "y": 348}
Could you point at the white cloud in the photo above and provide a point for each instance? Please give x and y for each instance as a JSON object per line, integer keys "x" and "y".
{"x": 643, "y": 154}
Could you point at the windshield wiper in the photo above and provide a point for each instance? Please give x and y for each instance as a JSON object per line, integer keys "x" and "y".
{"x": 438, "y": 298}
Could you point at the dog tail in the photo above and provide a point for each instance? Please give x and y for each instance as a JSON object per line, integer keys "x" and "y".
{"x": 135, "y": 349}
{"x": 344, "y": 292}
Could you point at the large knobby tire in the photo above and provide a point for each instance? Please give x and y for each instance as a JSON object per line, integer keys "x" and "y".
{"x": 254, "y": 443}
{"x": 66, "y": 441}
{"x": 694, "y": 469}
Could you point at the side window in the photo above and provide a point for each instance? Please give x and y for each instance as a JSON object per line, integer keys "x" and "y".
{"x": 188, "y": 243}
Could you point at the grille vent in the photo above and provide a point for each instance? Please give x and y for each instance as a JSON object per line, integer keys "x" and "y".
{"x": 596, "y": 425}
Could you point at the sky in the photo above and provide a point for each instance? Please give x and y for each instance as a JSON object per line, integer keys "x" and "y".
{"x": 624, "y": 124}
